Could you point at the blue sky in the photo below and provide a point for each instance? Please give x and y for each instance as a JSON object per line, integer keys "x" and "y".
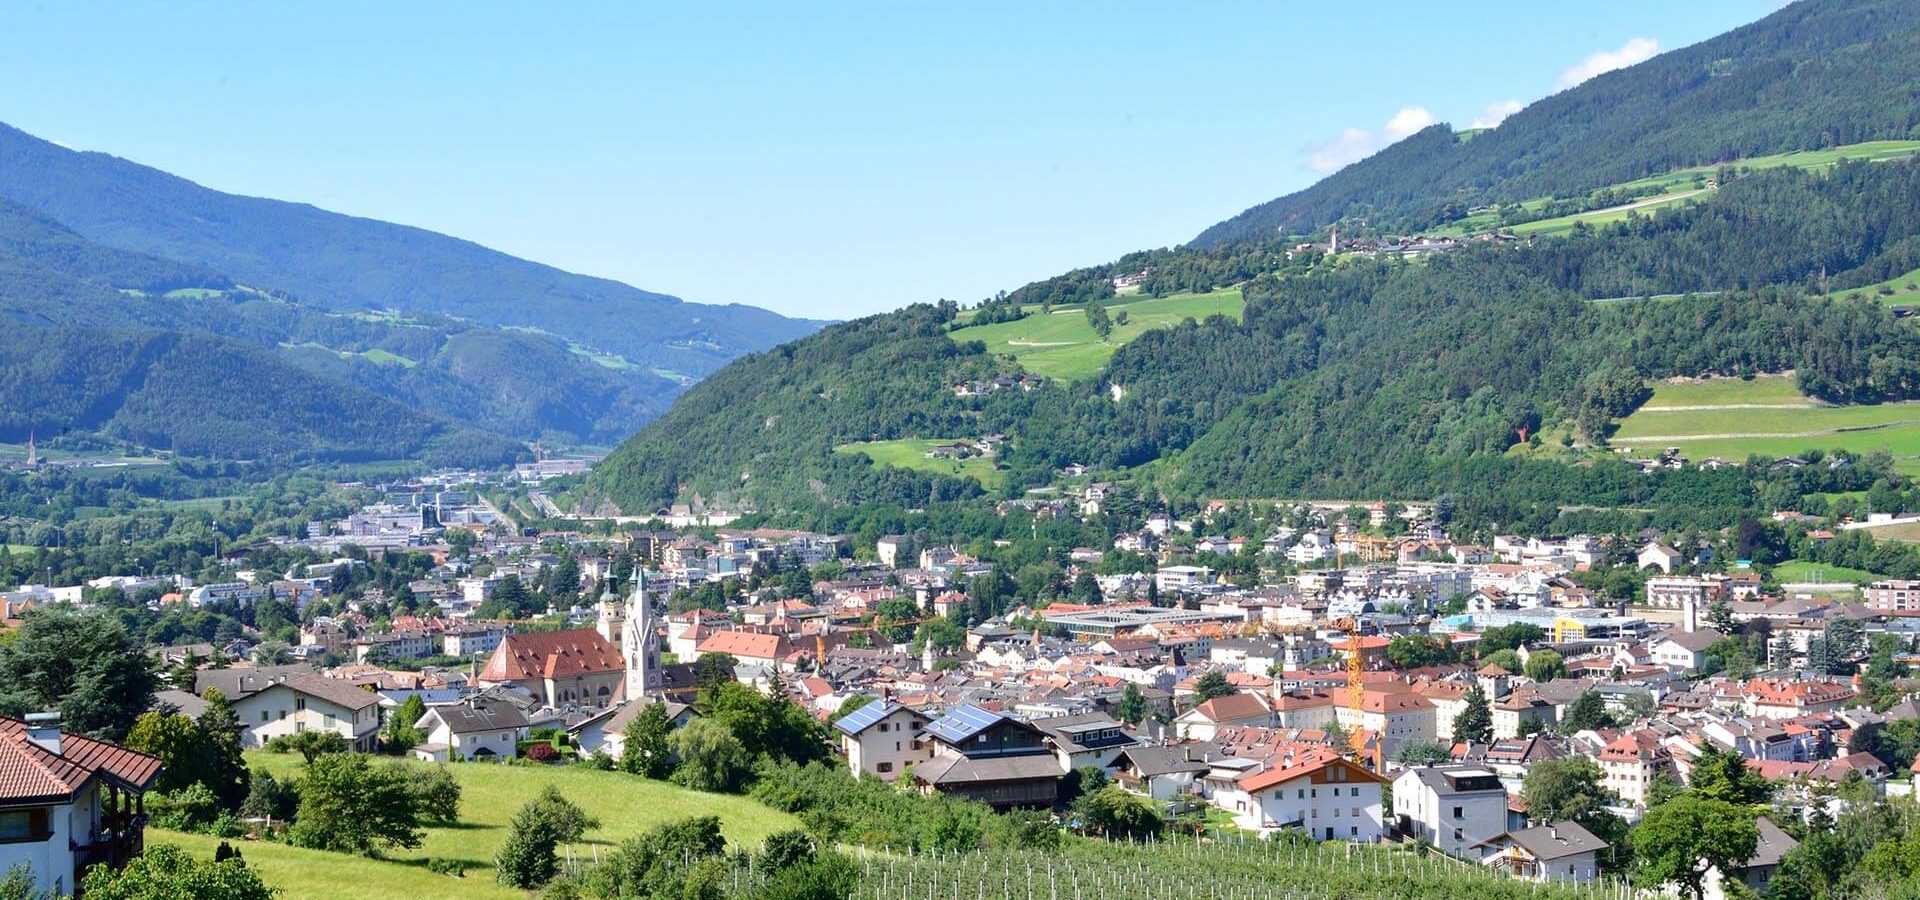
{"x": 821, "y": 159}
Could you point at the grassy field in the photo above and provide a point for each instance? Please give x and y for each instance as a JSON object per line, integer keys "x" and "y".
{"x": 1062, "y": 345}
{"x": 1901, "y": 291}
{"x": 1598, "y": 217}
{"x": 1678, "y": 186}
{"x": 624, "y": 804}
{"x": 376, "y": 356}
{"x": 1801, "y": 572}
{"x": 1908, "y": 533}
{"x": 1732, "y": 419}
{"x": 911, "y": 453}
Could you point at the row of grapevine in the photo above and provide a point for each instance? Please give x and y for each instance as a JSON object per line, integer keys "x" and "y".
{"x": 1202, "y": 869}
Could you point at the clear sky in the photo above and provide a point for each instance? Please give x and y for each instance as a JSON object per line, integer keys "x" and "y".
{"x": 818, "y": 158}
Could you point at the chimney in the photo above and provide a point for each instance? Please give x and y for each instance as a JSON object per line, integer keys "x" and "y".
{"x": 43, "y": 728}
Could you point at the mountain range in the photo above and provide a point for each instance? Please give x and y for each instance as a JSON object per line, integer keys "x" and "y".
{"x": 1493, "y": 368}
{"x": 420, "y": 340}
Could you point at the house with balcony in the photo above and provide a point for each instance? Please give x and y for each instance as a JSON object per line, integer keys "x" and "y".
{"x": 300, "y": 703}
{"x": 68, "y": 803}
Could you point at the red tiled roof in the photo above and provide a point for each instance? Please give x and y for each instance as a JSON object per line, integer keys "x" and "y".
{"x": 1303, "y": 765}
{"x": 748, "y": 644}
{"x": 554, "y": 654}
{"x": 28, "y": 770}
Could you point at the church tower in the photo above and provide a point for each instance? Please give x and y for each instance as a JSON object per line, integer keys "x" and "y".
{"x": 613, "y": 617}
{"x": 639, "y": 642}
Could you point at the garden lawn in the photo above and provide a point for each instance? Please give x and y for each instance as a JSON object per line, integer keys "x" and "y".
{"x": 626, "y": 806}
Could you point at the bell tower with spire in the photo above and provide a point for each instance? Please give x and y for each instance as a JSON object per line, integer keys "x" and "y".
{"x": 639, "y": 642}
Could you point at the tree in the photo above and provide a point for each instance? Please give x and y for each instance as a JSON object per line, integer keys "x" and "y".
{"x": 1098, "y": 320}
{"x": 179, "y": 744}
{"x": 1587, "y": 711}
{"x": 437, "y": 794}
{"x": 647, "y": 751}
{"x": 1112, "y": 811}
{"x": 1724, "y": 775}
{"x": 18, "y": 884}
{"x": 1510, "y": 637}
{"x": 311, "y": 745}
{"x": 270, "y": 798}
{"x": 400, "y": 735}
{"x": 164, "y": 872}
{"x": 1720, "y": 616}
{"x": 1475, "y": 720}
{"x": 1504, "y": 659}
{"x": 83, "y": 664}
{"x": 349, "y": 806}
{"x": 570, "y": 822}
{"x": 1570, "y": 789}
{"x": 1423, "y": 753}
{"x": 711, "y": 758}
{"x": 1679, "y": 841}
{"x": 1132, "y": 708}
{"x": 529, "y": 857}
{"x": 1211, "y": 685}
{"x": 225, "y": 767}
{"x": 1419, "y": 651}
{"x": 1545, "y": 665}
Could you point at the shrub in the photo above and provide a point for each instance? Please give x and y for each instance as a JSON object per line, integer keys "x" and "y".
{"x": 542, "y": 753}
{"x": 440, "y": 865}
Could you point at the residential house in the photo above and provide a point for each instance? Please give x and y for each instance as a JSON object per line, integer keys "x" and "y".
{"x": 68, "y": 803}
{"x": 884, "y": 739}
{"x": 605, "y": 732}
{"x": 1454, "y": 808}
{"x": 989, "y": 757}
{"x": 1316, "y": 790}
{"x": 1203, "y": 722}
{"x": 1557, "y": 851}
{"x": 300, "y": 703}
{"x": 1162, "y": 774}
{"x": 478, "y": 729}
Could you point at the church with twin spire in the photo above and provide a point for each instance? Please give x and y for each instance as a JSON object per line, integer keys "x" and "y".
{"x": 629, "y": 625}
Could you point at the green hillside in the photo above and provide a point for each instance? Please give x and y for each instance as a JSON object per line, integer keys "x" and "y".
{"x": 1813, "y": 75}
{"x": 625, "y": 805}
{"x": 348, "y": 263}
{"x": 1372, "y": 377}
{"x": 515, "y": 383}
{"x": 911, "y": 453}
{"x": 1061, "y": 344}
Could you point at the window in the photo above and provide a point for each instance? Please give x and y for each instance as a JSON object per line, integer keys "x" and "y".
{"x": 1457, "y": 813}
{"x": 884, "y": 767}
{"x": 300, "y": 704}
{"x": 263, "y": 715}
{"x": 24, "y": 825}
{"x": 883, "y": 727}
{"x": 330, "y": 720}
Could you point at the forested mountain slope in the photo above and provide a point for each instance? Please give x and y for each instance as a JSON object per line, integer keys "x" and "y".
{"x": 1817, "y": 73}
{"x": 347, "y": 263}
{"x": 344, "y": 386}
{"x": 1374, "y": 377}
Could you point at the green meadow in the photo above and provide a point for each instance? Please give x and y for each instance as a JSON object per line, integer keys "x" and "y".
{"x": 911, "y": 453}
{"x": 1061, "y": 345}
{"x": 626, "y": 806}
{"x": 1733, "y": 419}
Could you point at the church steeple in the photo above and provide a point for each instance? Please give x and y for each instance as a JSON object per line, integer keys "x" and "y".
{"x": 640, "y": 643}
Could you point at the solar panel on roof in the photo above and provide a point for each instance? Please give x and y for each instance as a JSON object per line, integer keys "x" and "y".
{"x": 864, "y": 717}
{"x": 962, "y": 723}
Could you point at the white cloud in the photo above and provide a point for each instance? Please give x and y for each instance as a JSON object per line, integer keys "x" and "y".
{"x": 1495, "y": 113}
{"x": 1634, "y": 51}
{"x": 1355, "y": 144}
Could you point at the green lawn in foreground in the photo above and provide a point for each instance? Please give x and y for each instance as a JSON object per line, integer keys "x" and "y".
{"x": 626, "y": 805}
{"x": 911, "y": 453}
{"x": 1803, "y": 572}
{"x": 1062, "y": 345}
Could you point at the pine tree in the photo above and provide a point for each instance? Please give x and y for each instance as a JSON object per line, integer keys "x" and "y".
{"x": 1475, "y": 721}
{"x": 1133, "y": 705}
